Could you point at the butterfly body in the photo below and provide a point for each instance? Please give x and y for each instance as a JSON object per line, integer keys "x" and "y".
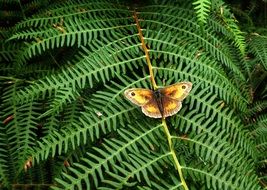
{"x": 163, "y": 102}
{"x": 158, "y": 96}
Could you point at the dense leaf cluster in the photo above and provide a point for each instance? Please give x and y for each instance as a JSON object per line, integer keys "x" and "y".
{"x": 65, "y": 124}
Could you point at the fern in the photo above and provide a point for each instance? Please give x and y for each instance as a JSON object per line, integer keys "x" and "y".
{"x": 228, "y": 19}
{"x": 258, "y": 47}
{"x": 202, "y": 8}
{"x": 66, "y": 124}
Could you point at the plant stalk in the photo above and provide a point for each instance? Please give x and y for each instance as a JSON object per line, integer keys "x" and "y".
{"x": 154, "y": 85}
{"x": 152, "y": 78}
{"x": 175, "y": 159}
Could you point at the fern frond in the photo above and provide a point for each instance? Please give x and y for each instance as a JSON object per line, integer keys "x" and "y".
{"x": 91, "y": 68}
{"x": 115, "y": 151}
{"x": 260, "y": 131}
{"x": 257, "y": 108}
{"x": 62, "y": 102}
{"x": 10, "y": 133}
{"x": 202, "y": 8}
{"x": 219, "y": 178}
{"x": 228, "y": 19}
{"x": 211, "y": 81}
{"x": 71, "y": 29}
{"x": 8, "y": 51}
{"x": 139, "y": 166}
{"x": 6, "y": 166}
{"x": 192, "y": 37}
{"x": 257, "y": 45}
{"x": 77, "y": 134}
{"x": 62, "y": 96}
{"x": 238, "y": 35}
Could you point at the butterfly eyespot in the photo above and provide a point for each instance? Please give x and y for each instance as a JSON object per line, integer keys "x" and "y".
{"x": 132, "y": 94}
{"x": 183, "y": 87}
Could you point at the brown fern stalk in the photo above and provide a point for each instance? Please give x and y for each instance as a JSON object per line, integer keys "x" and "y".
{"x": 154, "y": 86}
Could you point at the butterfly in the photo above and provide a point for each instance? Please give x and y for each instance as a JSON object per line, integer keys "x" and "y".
{"x": 163, "y": 102}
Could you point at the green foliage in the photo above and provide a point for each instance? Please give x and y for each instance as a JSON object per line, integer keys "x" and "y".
{"x": 226, "y": 18}
{"x": 258, "y": 46}
{"x": 202, "y": 8}
{"x": 66, "y": 124}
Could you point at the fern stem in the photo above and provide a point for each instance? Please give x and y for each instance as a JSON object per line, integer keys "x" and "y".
{"x": 154, "y": 85}
{"x": 176, "y": 162}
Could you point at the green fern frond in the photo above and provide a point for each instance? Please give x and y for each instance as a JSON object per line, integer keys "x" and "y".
{"x": 260, "y": 131}
{"x": 238, "y": 35}
{"x": 6, "y": 167}
{"x": 219, "y": 178}
{"x": 77, "y": 134}
{"x": 141, "y": 166}
{"x": 10, "y": 134}
{"x": 201, "y": 124}
{"x": 190, "y": 37}
{"x": 62, "y": 96}
{"x": 195, "y": 74}
{"x": 91, "y": 68}
{"x": 228, "y": 19}
{"x": 257, "y": 45}
{"x": 22, "y": 121}
{"x": 257, "y": 108}
{"x": 115, "y": 151}
{"x": 202, "y": 8}
{"x": 63, "y": 106}
{"x": 61, "y": 30}
{"x": 7, "y": 51}
{"x": 109, "y": 105}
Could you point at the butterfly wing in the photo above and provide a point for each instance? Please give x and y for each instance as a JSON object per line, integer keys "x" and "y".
{"x": 178, "y": 91}
{"x": 171, "y": 106}
{"x": 151, "y": 109}
{"x": 139, "y": 96}
{"x": 173, "y": 96}
{"x": 145, "y": 98}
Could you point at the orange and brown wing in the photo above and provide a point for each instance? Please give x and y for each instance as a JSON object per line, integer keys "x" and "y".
{"x": 171, "y": 106}
{"x": 178, "y": 91}
{"x": 139, "y": 96}
{"x": 172, "y": 99}
{"x": 151, "y": 109}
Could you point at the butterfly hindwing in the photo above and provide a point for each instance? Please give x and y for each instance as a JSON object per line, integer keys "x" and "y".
{"x": 139, "y": 96}
{"x": 177, "y": 91}
{"x": 171, "y": 106}
{"x": 151, "y": 109}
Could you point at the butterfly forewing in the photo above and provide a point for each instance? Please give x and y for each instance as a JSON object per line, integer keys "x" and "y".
{"x": 177, "y": 91}
{"x": 139, "y": 96}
